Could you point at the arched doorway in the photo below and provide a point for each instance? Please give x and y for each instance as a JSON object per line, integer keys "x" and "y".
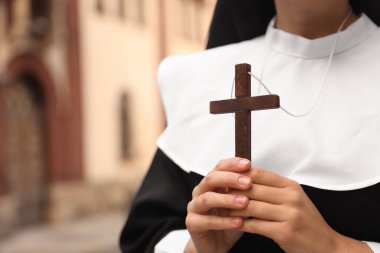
{"x": 25, "y": 149}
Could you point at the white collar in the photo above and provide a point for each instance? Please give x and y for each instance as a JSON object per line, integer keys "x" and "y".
{"x": 299, "y": 46}
{"x": 336, "y": 147}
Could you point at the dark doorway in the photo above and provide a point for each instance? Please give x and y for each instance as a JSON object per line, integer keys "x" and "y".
{"x": 25, "y": 149}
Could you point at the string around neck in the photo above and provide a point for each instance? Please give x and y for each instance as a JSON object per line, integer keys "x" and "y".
{"x": 262, "y": 84}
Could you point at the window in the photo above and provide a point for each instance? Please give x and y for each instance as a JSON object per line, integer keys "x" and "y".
{"x": 190, "y": 21}
{"x": 140, "y": 5}
{"x": 99, "y": 6}
{"x": 121, "y": 9}
{"x": 135, "y": 10}
{"x": 125, "y": 130}
{"x": 8, "y": 6}
{"x": 40, "y": 17}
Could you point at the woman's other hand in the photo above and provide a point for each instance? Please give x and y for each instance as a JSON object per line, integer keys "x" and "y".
{"x": 279, "y": 209}
{"x": 210, "y": 228}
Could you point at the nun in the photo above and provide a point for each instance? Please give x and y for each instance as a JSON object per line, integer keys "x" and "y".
{"x": 313, "y": 184}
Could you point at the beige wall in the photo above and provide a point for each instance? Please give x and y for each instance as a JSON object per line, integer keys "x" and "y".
{"x": 187, "y": 25}
{"x": 121, "y": 55}
{"x": 116, "y": 57}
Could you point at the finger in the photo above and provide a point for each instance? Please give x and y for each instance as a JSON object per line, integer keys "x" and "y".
{"x": 260, "y": 210}
{"x": 221, "y": 179}
{"x": 263, "y": 193}
{"x": 264, "y": 177}
{"x": 210, "y": 200}
{"x": 235, "y": 164}
{"x": 266, "y": 228}
{"x": 200, "y": 223}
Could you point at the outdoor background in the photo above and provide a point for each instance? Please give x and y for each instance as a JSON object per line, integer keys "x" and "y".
{"x": 80, "y": 113}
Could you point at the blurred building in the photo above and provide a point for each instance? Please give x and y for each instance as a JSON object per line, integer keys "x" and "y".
{"x": 79, "y": 107}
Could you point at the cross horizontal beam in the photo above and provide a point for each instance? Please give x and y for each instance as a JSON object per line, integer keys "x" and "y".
{"x": 245, "y": 104}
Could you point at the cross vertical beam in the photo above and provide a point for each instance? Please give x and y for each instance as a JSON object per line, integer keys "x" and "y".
{"x": 243, "y": 118}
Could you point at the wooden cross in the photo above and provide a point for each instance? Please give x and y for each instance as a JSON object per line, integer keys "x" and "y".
{"x": 242, "y": 107}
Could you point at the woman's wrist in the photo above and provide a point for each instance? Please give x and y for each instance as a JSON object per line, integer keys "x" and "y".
{"x": 190, "y": 248}
{"x": 346, "y": 244}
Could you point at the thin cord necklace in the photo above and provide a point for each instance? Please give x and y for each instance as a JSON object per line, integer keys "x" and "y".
{"x": 262, "y": 84}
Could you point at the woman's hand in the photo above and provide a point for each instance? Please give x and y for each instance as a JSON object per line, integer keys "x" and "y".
{"x": 281, "y": 210}
{"x": 210, "y": 228}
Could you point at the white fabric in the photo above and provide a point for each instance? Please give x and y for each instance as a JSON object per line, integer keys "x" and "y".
{"x": 174, "y": 242}
{"x": 375, "y": 247}
{"x": 336, "y": 147}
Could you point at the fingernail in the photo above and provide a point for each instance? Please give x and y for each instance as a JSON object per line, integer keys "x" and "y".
{"x": 241, "y": 200}
{"x": 244, "y": 162}
{"x": 244, "y": 181}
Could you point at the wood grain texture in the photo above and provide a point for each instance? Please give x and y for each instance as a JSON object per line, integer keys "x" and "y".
{"x": 245, "y": 103}
{"x": 242, "y": 107}
{"x": 243, "y": 118}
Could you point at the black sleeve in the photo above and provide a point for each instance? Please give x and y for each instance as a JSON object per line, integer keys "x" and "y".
{"x": 159, "y": 206}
